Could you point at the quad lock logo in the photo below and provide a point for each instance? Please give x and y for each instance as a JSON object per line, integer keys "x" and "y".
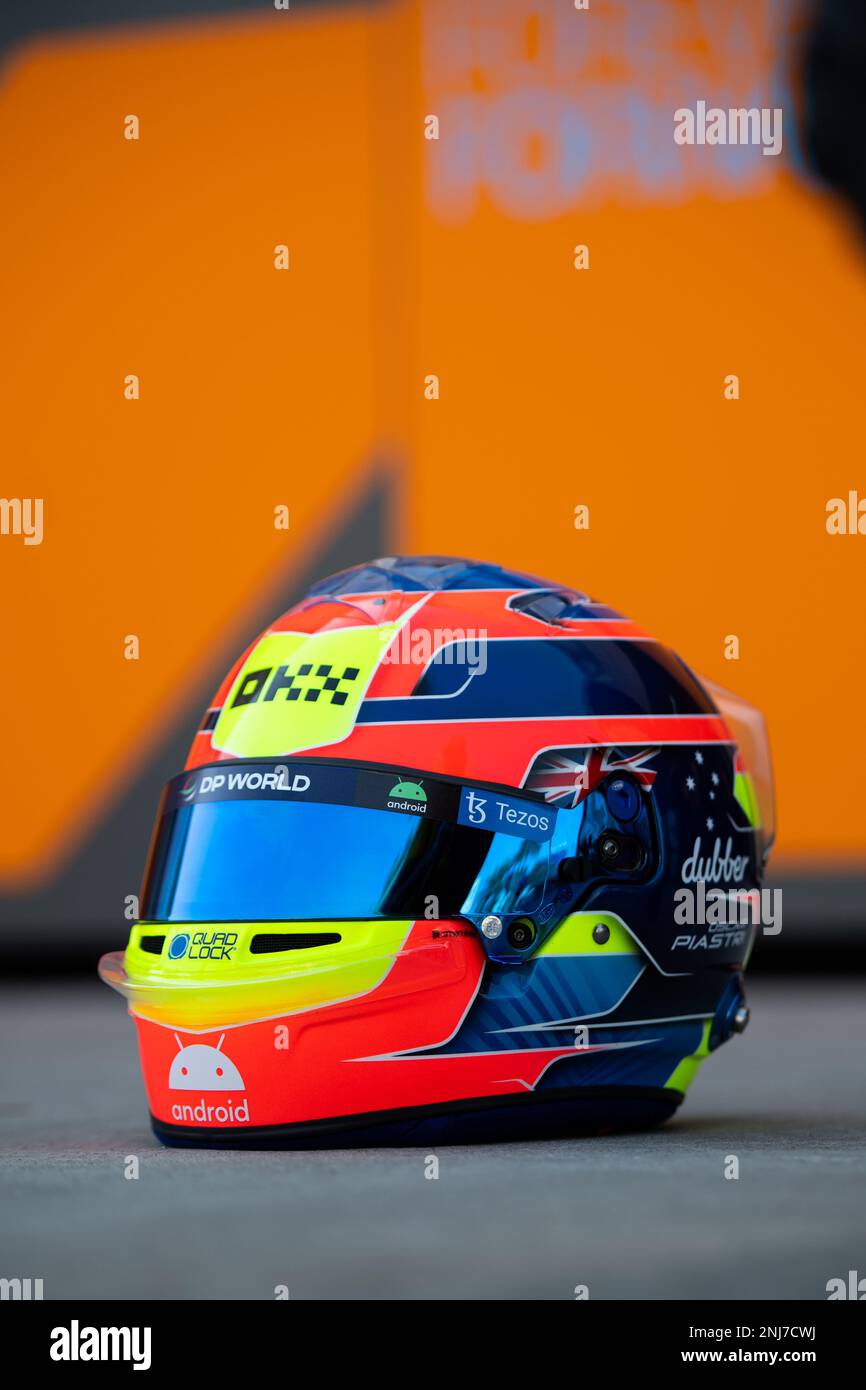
{"x": 203, "y": 945}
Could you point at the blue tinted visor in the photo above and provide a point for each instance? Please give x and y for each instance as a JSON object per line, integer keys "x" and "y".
{"x": 318, "y": 840}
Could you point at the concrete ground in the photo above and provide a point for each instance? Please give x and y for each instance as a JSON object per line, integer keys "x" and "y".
{"x": 649, "y": 1216}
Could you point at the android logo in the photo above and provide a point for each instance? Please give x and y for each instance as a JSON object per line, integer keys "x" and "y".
{"x": 203, "y": 1068}
{"x": 409, "y": 791}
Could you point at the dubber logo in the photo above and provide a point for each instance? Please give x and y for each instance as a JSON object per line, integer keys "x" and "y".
{"x": 716, "y": 867}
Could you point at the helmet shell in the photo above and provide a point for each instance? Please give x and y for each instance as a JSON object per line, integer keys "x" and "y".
{"x": 470, "y": 671}
{"x": 593, "y": 1012}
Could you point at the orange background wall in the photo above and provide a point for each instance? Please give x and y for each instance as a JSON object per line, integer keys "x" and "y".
{"x": 408, "y": 257}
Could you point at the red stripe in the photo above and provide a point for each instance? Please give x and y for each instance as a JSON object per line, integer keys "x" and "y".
{"x": 503, "y": 750}
{"x": 494, "y": 750}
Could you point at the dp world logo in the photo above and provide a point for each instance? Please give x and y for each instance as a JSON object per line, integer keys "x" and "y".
{"x": 187, "y": 791}
{"x": 178, "y": 946}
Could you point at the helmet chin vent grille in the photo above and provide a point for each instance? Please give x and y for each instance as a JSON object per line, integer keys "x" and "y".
{"x": 153, "y": 944}
{"x": 267, "y": 942}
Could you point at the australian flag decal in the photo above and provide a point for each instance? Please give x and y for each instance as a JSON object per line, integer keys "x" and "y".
{"x": 568, "y": 776}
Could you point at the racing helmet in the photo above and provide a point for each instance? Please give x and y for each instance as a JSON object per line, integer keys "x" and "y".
{"x": 459, "y": 854}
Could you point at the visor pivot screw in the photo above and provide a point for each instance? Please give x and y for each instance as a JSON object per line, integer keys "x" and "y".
{"x": 622, "y": 852}
{"x": 623, "y": 798}
{"x": 521, "y": 934}
{"x": 491, "y": 927}
{"x": 740, "y": 1021}
{"x": 600, "y": 933}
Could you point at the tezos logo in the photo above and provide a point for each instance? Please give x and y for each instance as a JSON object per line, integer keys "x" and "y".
{"x": 504, "y": 813}
{"x": 475, "y": 808}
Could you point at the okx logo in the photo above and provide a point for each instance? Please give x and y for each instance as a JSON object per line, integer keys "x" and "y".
{"x": 305, "y": 682}
{"x": 299, "y": 690}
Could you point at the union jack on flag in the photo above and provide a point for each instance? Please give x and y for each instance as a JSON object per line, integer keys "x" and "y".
{"x": 562, "y": 778}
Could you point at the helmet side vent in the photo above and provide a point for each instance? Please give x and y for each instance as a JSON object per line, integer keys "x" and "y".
{"x": 266, "y": 943}
{"x": 548, "y": 605}
{"x": 152, "y": 944}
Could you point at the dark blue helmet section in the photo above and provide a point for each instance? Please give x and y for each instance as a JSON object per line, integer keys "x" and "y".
{"x": 677, "y": 838}
{"x": 664, "y": 844}
{"x": 420, "y": 573}
{"x": 553, "y": 678}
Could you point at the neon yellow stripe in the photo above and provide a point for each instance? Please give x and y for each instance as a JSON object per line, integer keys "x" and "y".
{"x": 238, "y": 984}
{"x": 683, "y": 1075}
{"x": 573, "y": 937}
{"x": 744, "y": 791}
{"x": 279, "y": 702}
